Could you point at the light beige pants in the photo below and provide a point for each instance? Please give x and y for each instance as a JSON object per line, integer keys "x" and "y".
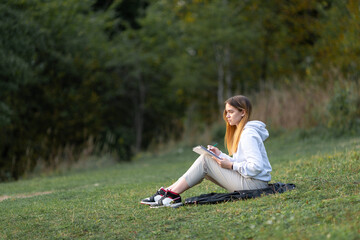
{"x": 206, "y": 167}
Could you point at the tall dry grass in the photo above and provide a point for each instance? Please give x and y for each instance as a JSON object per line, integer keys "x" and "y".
{"x": 300, "y": 104}
{"x": 290, "y": 105}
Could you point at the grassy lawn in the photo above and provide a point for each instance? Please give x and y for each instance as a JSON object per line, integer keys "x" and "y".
{"x": 104, "y": 203}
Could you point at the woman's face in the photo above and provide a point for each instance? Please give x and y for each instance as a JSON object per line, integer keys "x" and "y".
{"x": 233, "y": 115}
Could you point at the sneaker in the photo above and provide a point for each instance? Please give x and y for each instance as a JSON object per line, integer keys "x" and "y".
{"x": 154, "y": 198}
{"x": 170, "y": 199}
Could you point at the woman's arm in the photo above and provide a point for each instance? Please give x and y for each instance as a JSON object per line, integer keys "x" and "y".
{"x": 250, "y": 146}
{"x": 219, "y": 153}
{"x": 226, "y": 162}
{"x": 223, "y": 155}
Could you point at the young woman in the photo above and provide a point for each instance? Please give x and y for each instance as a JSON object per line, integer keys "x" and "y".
{"x": 247, "y": 169}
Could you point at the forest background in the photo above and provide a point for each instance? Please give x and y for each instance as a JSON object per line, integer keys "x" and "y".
{"x": 85, "y": 77}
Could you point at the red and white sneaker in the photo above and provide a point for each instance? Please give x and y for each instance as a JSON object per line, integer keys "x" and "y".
{"x": 170, "y": 199}
{"x": 154, "y": 198}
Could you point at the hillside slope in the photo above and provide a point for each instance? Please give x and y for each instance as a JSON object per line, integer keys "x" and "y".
{"x": 104, "y": 203}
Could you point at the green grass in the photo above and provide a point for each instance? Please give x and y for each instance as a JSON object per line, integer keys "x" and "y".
{"x": 104, "y": 203}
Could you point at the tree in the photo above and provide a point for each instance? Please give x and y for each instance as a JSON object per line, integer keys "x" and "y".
{"x": 54, "y": 82}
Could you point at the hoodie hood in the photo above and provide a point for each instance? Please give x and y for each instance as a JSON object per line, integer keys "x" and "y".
{"x": 259, "y": 127}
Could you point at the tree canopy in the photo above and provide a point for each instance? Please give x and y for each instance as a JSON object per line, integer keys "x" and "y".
{"x": 126, "y": 74}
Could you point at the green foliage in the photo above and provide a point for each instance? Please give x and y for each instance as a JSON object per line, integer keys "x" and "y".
{"x": 344, "y": 110}
{"x": 130, "y": 74}
{"x": 55, "y": 84}
{"x": 104, "y": 203}
{"x": 338, "y": 30}
{"x": 217, "y": 132}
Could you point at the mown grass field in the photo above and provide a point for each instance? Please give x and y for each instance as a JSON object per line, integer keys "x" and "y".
{"x": 104, "y": 203}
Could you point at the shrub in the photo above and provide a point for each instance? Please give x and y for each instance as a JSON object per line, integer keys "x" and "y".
{"x": 344, "y": 109}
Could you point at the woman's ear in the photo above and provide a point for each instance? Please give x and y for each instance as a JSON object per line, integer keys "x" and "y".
{"x": 243, "y": 113}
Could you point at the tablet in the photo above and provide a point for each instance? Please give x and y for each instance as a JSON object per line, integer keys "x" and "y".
{"x": 203, "y": 150}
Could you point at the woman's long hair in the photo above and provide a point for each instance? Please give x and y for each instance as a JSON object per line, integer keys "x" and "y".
{"x": 233, "y": 133}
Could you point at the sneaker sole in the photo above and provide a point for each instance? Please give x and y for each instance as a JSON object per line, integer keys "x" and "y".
{"x": 149, "y": 203}
{"x": 175, "y": 205}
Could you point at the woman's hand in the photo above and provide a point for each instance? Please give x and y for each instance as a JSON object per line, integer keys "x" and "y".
{"x": 224, "y": 163}
{"x": 214, "y": 150}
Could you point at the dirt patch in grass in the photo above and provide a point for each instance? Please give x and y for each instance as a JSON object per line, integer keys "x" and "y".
{"x": 2, "y": 198}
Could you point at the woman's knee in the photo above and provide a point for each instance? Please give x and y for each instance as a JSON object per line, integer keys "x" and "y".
{"x": 205, "y": 158}
{"x": 208, "y": 161}
{"x": 201, "y": 159}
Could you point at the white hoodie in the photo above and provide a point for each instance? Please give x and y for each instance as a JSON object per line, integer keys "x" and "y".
{"x": 250, "y": 159}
